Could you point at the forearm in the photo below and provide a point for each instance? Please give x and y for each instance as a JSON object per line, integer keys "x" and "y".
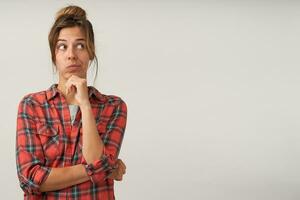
{"x": 92, "y": 145}
{"x": 60, "y": 178}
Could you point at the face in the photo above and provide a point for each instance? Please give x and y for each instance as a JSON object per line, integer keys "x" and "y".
{"x": 71, "y": 53}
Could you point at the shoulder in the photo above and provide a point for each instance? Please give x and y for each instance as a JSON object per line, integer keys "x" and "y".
{"x": 109, "y": 99}
{"x": 114, "y": 100}
{"x": 34, "y": 98}
{"x": 117, "y": 102}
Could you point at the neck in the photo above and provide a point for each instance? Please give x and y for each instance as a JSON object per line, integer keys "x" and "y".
{"x": 61, "y": 86}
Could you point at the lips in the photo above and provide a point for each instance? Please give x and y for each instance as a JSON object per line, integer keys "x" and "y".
{"x": 73, "y": 67}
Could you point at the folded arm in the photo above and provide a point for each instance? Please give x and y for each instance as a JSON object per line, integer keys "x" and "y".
{"x": 35, "y": 177}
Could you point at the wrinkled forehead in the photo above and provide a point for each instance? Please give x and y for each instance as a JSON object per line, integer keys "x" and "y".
{"x": 71, "y": 34}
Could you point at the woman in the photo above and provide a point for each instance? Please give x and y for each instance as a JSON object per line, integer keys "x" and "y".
{"x": 69, "y": 136}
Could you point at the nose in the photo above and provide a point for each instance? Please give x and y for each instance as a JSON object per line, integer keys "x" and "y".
{"x": 71, "y": 54}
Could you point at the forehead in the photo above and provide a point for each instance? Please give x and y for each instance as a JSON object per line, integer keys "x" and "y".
{"x": 71, "y": 33}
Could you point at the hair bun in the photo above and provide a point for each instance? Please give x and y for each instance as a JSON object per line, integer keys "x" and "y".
{"x": 71, "y": 10}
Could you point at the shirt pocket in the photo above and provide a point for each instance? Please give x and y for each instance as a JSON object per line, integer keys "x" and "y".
{"x": 49, "y": 137}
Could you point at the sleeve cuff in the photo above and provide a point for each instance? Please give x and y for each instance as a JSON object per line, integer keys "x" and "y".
{"x": 99, "y": 169}
{"x": 33, "y": 186}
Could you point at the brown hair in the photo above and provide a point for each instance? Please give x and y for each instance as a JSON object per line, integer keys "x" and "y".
{"x": 71, "y": 16}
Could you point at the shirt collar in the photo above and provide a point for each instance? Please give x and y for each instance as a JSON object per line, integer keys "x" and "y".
{"x": 52, "y": 91}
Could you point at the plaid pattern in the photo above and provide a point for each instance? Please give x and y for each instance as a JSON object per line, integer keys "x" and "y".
{"x": 46, "y": 138}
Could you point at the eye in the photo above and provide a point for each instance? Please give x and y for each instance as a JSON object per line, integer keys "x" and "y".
{"x": 80, "y": 46}
{"x": 61, "y": 47}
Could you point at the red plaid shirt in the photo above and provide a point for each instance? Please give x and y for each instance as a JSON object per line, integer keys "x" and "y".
{"x": 46, "y": 139}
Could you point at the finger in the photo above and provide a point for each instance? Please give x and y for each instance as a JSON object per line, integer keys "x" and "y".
{"x": 119, "y": 178}
{"x": 77, "y": 80}
{"x": 70, "y": 89}
{"x": 116, "y": 166}
{"x": 123, "y": 164}
{"x": 120, "y": 162}
{"x": 78, "y": 83}
{"x": 116, "y": 176}
{"x": 119, "y": 165}
{"x": 122, "y": 169}
{"x": 71, "y": 85}
{"x": 113, "y": 174}
{"x": 67, "y": 85}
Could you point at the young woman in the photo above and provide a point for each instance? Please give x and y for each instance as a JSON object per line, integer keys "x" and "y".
{"x": 69, "y": 136}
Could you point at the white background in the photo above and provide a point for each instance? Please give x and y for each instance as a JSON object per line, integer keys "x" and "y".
{"x": 212, "y": 89}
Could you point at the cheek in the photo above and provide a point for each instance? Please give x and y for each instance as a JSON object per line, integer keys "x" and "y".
{"x": 85, "y": 58}
{"x": 57, "y": 58}
{"x": 59, "y": 61}
{"x": 59, "y": 55}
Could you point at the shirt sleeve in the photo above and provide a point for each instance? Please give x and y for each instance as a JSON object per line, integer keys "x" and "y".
{"x": 29, "y": 151}
{"x": 112, "y": 139}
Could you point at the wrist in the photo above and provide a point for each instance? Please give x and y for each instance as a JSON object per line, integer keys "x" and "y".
{"x": 85, "y": 105}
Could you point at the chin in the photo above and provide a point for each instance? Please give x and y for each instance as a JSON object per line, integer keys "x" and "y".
{"x": 80, "y": 75}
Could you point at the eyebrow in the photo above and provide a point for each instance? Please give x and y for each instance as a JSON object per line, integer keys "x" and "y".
{"x": 79, "y": 39}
